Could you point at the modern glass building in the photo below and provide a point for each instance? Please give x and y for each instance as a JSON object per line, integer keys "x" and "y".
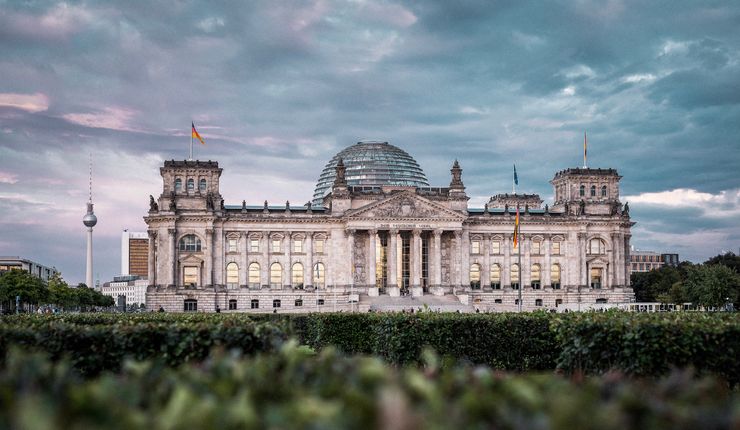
{"x": 371, "y": 163}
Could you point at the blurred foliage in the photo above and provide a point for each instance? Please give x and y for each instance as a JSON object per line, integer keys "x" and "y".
{"x": 295, "y": 388}
{"x": 591, "y": 343}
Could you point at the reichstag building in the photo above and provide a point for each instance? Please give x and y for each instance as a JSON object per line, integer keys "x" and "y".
{"x": 376, "y": 235}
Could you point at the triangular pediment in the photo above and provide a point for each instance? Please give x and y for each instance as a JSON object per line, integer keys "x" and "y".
{"x": 405, "y": 205}
{"x": 190, "y": 259}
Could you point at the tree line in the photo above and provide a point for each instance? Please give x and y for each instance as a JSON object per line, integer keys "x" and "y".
{"x": 714, "y": 283}
{"x": 34, "y": 292}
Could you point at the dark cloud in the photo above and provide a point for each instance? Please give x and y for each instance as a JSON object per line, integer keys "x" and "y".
{"x": 277, "y": 88}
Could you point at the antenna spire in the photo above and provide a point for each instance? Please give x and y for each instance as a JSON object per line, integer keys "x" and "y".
{"x": 90, "y": 179}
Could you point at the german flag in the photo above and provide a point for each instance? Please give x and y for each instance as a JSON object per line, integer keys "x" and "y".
{"x": 195, "y": 135}
{"x": 516, "y": 227}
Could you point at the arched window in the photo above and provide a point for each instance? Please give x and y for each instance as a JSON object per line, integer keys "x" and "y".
{"x": 603, "y": 191}
{"x": 596, "y": 246}
{"x": 535, "y": 276}
{"x": 232, "y": 275}
{"x": 495, "y": 276}
{"x": 555, "y": 276}
{"x": 515, "y": 276}
{"x": 276, "y": 275}
{"x": 254, "y": 275}
{"x": 191, "y": 186}
{"x": 178, "y": 185}
{"x": 582, "y": 191}
{"x": 475, "y": 276}
{"x": 190, "y": 243}
{"x": 297, "y": 275}
{"x": 593, "y": 190}
{"x": 319, "y": 273}
{"x": 202, "y": 186}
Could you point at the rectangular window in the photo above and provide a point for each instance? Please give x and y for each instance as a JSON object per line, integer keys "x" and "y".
{"x": 320, "y": 302}
{"x": 497, "y": 301}
{"x": 254, "y": 245}
{"x": 298, "y": 303}
{"x": 190, "y": 276}
{"x": 232, "y": 305}
{"x": 536, "y": 248}
{"x": 276, "y": 245}
{"x": 538, "y": 302}
{"x": 556, "y": 248}
{"x": 276, "y": 303}
{"x": 318, "y": 246}
{"x": 495, "y": 247}
{"x": 255, "y": 304}
{"x": 232, "y": 245}
{"x": 298, "y": 246}
{"x": 190, "y": 305}
{"x": 475, "y": 247}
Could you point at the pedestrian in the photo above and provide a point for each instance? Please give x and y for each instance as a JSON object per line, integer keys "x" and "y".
{"x": 161, "y": 309}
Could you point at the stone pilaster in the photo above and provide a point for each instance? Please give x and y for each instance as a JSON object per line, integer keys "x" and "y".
{"x": 485, "y": 281}
{"x": 244, "y": 272}
{"x": 547, "y": 269}
{"x": 371, "y": 257}
{"x": 436, "y": 258}
{"x": 151, "y": 258}
{"x": 506, "y": 270}
{"x": 209, "y": 254}
{"x": 415, "y": 258}
{"x": 457, "y": 258}
{"x": 465, "y": 259}
{"x": 308, "y": 271}
{"x": 351, "y": 254}
{"x": 393, "y": 258}
{"x": 172, "y": 276}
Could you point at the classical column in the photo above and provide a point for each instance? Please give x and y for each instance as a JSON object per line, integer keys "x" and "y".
{"x": 265, "y": 250}
{"x": 613, "y": 270}
{"x": 416, "y": 258}
{"x": 456, "y": 259}
{"x": 485, "y": 281}
{"x": 172, "y": 279}
{"x": 526, "y": 261}
{"x": 546, "y": 270}
{"x": 288, "y": 278}
{"x": 209, "y": 257}
{"x": 371, "y": 263}
{"x": 151, "y": 264}
{"x": 465, "y": 259}
{"x": 244, "y": 272}
{"x": 582, "y": 264}
{"x": 392, "y": 258}
{"x": 506, "y": 270}
{"x": 351, "y": 254}
{"x": 436, "y": 269}
{"x": 626, "y": 257}
{"x": 308, "y": 271}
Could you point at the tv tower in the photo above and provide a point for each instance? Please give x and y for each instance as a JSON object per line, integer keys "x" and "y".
{"x": 89, "y": 220}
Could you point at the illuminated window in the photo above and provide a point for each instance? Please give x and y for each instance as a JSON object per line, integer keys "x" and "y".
{"x": 496, "y": 247}
{"x": 515, "y": 276}
{"x": 276, "y": 275}
{"x": 535, "y": 276}
{"x": 495, "y": 276}
{"x": 318, "y": 246}
{"x": 276, "y": 245}
{"x": 254, "y": 245}
{"x": 254, "y": 275}
{"x": 232, "y": 245}
{"x": 232, "y": 275}
{"x": 555, "y": 276}
{"x": 556, "y": 247}
{"x": 297, "y": 275}
{"x": 475, "y": 276}
{"x": 475, "y": 247}
{"x": 298, "y": 246}
{"x": 536, "y": 247}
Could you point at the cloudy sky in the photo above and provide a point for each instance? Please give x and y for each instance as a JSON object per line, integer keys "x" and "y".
{"x": 276, "y": 88}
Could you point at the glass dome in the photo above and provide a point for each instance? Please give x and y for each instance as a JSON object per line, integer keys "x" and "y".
{"x": 371, "y": 163}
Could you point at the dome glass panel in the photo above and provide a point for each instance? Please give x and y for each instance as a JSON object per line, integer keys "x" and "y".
{"x": 371, "y": 164}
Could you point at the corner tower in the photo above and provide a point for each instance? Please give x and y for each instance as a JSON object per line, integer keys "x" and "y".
{"x": 190, "y": 185}
{"x": 595, "y": 191}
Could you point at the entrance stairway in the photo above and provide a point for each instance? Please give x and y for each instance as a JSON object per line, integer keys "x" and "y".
{"x": 446, "y": 303}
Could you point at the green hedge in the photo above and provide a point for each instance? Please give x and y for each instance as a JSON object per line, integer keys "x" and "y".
{"x": 639, "y": 344}
{"x": 101, "y": 342}
{"x": 294, "y": 388}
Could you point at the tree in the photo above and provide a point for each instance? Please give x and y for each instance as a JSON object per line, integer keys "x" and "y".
{"x": 728, "y": 259}
{"x": 712, "y": 285}
{"x": 19, "y": 283}
{"x": 651, "y": 286}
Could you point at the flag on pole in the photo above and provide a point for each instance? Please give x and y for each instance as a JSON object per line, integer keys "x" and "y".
{"x": 516, "y": 178}
{"x": 516, "y": 227}
{"x": 585, "y": 147}
{"x": 194, "y": 134}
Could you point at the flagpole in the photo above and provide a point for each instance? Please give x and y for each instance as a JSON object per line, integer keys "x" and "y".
{"x": 191, "y": 144}
{"x": 521, "y": 284}
{"x": 585, "y": 143}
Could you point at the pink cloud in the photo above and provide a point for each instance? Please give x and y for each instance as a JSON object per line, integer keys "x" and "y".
{"x": 36, "y": 102}
{"x": 110, "y": 117}
{"x": 8, "y": 178}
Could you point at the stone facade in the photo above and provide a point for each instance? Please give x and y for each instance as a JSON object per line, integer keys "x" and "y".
{"x": 366, "y": 244}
